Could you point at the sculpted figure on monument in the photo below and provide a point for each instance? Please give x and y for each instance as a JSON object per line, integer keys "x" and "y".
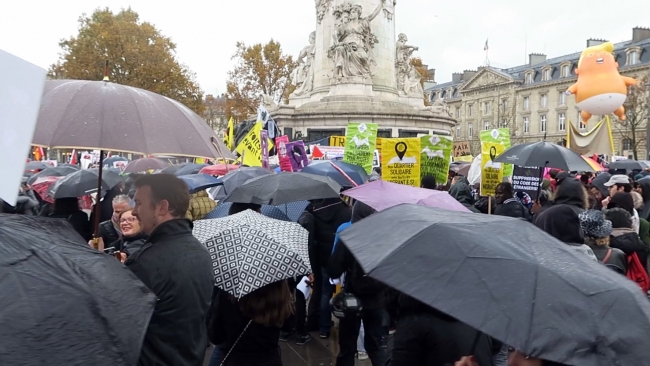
{"x": 321, "y": 9}
{"x": 303, "y": 75}
{"x": 440, "y": 108}
{"x": 408, "y": 77}
{"x": 352, "y": 41}
{"x": 389, "y": 9}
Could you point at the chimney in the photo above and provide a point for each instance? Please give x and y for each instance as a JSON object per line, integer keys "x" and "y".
{"x": 595, "y": 42}
{"x": 640, "y": 34}
{"x": 431, "y": 75}
{"x": 536, "y": 58}
{"x": 456, "y": 77}
{"x": 468, "y": 74}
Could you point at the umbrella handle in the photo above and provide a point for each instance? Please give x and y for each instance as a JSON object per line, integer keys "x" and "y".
{"x": 97, "y": 208}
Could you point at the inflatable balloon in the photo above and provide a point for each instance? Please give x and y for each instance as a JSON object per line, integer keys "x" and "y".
{"x": 600, "y": 89}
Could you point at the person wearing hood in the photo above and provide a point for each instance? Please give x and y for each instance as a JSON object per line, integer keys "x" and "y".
{"x": 572, "y": 194}
{"x": 462, "y": 193}
{"x": 563, "y": 223}
{"x": 597, "y": 231}
{"x": 625, "y": 201}
{"x": 643, "y": 187}
{"x": 624, "y": 237}
{"x": 328, "y": 214}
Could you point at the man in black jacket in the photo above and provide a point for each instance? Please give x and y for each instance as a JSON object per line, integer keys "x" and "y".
{"x": 177, "y": 268}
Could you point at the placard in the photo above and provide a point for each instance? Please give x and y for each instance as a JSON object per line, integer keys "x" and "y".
{"x": 461, "y": 148}
{"x": 526, "y": 179}
{"x": 360, "y": 142}
{"x": 283, "y": 158}
{"x": 297, "y": 155}
{"x": 491, "y": 172}
{"x": 435, "y": 156}
{"x": 499, "y": 136}
{"x": 400, "y": 161}
{"x": 264, "y": 141}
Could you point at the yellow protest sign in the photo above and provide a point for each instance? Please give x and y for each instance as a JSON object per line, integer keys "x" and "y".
{"x": 491, "y": 172}
{"x": 250, "y": 147}
{"x": 400, "y": 161}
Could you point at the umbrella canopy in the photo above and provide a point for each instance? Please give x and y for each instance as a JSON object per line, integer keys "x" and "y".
{"x": 199, "y": 182}
{"x": 250, "y": 251}
{"x": 381, "y": 195}
{"x": 145, "y": 164}
{"x": 461, "y": 168}
{"x": 627, "y": 164}
{"x": 543, "y": 154}
{"x": 37, "y": 165}
{"x": 594, "y": 164}
{"x": 276, "y": 189}
{"x": 524, "y": 288}
{"x": 107, "y": 116}
{"x": 336, "y": 169}
{"x": 287, "y": 212}
{"x": 189, "y": 169}
{"x": 83, "y": 182}
{"x": 219, "y": 169}
{"x": 59, "y": 171}
{"x": 69, "y": 304}
{"x": 42, "y": 187}
{"x": 69, "y": 165}
{"x": 236, "y": 178}
{"x": 108, "y": 162}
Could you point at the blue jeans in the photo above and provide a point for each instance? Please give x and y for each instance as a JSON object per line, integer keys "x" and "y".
{"x": 501, "y": 358}
{"x": 216, "y": 357}
{"x": 361, "y": 339}
{"x": 327, "y": 290}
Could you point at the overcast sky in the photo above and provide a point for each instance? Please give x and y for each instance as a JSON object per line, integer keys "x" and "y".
{"x": 450, "y": 34}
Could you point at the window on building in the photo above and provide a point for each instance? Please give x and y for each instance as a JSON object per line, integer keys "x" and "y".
{"x": 504, "y": 123}
{"x": 542, "y": 123}
{"x": 450, "y": 93}
{"x": 486, "y": 108}
{"x": 470, "y": 110}
{"x": 561, "y": 122}
{"x": 562, "y": 98}
{"x": 626, "y": 144}
{"x": 566, "y": 71}
{"x": 504, "y": 105}
{"x": 457, "y": 130}
{"x": 526, "y": 124}
{"x": 543, "y": 101}
{"x": 470, "y": 130}
{"x": 581, "y": 125}
{"x": 486, "y": 125}
{"x": 526, "y": 103}
{"x": 546, "y": 75}
{"x": 633, "y": 58}
{"x": 529, "y": 78}
{"x": 457, "y": 112}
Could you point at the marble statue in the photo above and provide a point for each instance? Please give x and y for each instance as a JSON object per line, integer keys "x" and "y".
{"x": 389, "y": 9}
{"x": 352, "y": 41}
{"x": 408, "y": 77}
{"x": 268, "y": 102}
{"x": 440, "y": 107}
{"x": 303, "y": 75}
{"x": 321, "y": 9}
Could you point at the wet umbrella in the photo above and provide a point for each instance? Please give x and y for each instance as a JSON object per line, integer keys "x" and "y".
{"x": 544, "y": 154}
{"x": 59, "y": 171}
{"x": 37, "y": 165}
{"x": 381, "y": 195}
{"x": 199, "y": 182}
{"x": 236, "y": 178}
{"x": 336, "y": 171}
{"x": 627, "y": 164}
{"x": 522, "y": 287}
{"x": 83, "y": 182}
{"x": 286, "y": 212}
{"x": 108, "y": 162}
{"x": 145, "y": 164}
{"x": 42, "y": 185}
{"x": 189, "y": 169}
{"x": 461, "y": 168}
{"x": 65, "y": 303}
{"x": 77, "y": 167}
{"x": 276, "y": 189}
{"x": 112, "y": 117}
{"x": 219, "y": 169}
{"x": 171, "y": 169}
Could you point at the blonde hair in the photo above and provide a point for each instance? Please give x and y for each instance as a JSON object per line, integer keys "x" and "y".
{"x": 607, "y": 47}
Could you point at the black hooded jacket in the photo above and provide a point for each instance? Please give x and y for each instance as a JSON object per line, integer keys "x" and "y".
{"x": 645, "y": 193}
{"x": 463, "y": 194}
{"x": 328, "y": 216}
{"x": 571, "y": 193}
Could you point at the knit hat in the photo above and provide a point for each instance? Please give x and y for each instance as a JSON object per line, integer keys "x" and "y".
{"x": 594, "y": 225}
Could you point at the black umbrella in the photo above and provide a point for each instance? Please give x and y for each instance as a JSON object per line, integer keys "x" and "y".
{"x": 69, "y": 165}
{"x": 108, "y": 162}
{"x": 236, "y": 178}
{"x": 277, "y": 189}
{"x": 83, "y": 182}
{"x": 628, "y": 165}
{"x": 190, "y": 169}
{"x": 59, "y": 171}
{"x": 339, "y": 171}
{"x": 520, "y": 286}
{"x": 544, "y": 154}
{"x": 65, "y": 303}
{"x": 37, "y": 165}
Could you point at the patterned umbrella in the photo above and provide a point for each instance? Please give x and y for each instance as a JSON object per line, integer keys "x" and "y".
{"x": 287, "y": 212}
{"x": 290, "y": 234}
{"x": 248, "y": 252}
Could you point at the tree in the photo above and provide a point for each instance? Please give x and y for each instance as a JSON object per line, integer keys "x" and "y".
{"x": 138, "y": 54}
{"x": 259, "y": 69}
{"x": 632, "y": 129}
{"x": 215, "y": 112}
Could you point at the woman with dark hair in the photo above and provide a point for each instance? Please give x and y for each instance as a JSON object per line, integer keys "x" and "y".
{"x": 247, "y": 331}
{"x": 68, "y": 209}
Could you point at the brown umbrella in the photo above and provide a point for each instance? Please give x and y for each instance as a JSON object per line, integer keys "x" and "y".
{"x": 81, "y": 114}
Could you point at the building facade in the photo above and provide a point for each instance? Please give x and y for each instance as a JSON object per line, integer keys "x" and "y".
{"x": 529, "y": 99}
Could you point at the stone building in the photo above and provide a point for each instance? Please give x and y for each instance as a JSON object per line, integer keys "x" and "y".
{"x": 529, "y": 99}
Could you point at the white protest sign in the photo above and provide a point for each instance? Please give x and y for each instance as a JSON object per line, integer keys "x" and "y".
{"x": 21, "y": 87}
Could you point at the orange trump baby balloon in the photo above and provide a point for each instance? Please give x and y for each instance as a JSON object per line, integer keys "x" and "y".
{"x": 600, "y": 89}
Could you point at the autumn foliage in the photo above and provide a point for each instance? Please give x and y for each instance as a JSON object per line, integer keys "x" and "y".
{"x": 259, "y": 69}
{"x": 138, "y": 54}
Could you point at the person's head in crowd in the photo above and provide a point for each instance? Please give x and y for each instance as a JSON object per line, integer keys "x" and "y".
{"x": 595, "y": 192}
{"x": 360, "y": 211}
{"x": 638, "y": 200}
{"x": 584, "y": 179}
{"x": 622, "y": 200}
{"x": 562, "y": 223}
{"x": 428, "y": 182}
{"x": 571, "y": 191}
{"x": 595, "y": 227}
{"x": 268, "y": 306}
{"x": 237, "y": 207}
{"x": 553, "y": 173}
{"x": 619, "y": 218}
{"x": 618, "y": 183}
{"x": 503, "y": 192}
{"x": 543, "y": 199}
{"x": 121, "y": 203}
{"x": 159, "y": 198}
{"x": 129, "y": 224}
{"x": 561, "y": 177}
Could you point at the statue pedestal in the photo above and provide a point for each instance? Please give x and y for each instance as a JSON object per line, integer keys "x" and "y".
{"x": 351, "y": 85}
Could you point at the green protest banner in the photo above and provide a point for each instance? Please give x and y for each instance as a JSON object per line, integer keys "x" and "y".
{"x": 435, "y": 156}
{"x": 360, "y": 142}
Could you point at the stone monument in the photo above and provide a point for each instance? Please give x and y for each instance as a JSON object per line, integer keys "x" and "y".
{"x": 355, "y": 70}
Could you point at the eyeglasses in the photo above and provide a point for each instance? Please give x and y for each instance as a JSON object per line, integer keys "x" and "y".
{"x": 128, "y": 220}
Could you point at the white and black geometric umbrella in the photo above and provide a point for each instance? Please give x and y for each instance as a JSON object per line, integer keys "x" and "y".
{"x": 247, "y": 255}
{"x": 289, "y": 234}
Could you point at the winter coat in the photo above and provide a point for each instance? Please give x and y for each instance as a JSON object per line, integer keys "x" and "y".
{"x": 463, "y": 194}
{"x": 427, "y": 337}
{"x": 258, "y": 345}
{"x": 644, "y": 231}
{"x": 327, "y": 220}
{"x": 512, "y": 208}
{"x": 627, "y": 240}
{"x": 178, "y": 269}
{"x": 108, "y": 233}
{"x": 307, "y": 221}
{"x": 617, "y": 260}
{"x": 200, "y": 205}
{"x": 129, "y": 244}
{"x": 571, "y": 193}
{"x": 79, "y": 221}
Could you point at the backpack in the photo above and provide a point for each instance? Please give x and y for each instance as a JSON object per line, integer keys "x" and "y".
{"x": 637, "y": 273}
